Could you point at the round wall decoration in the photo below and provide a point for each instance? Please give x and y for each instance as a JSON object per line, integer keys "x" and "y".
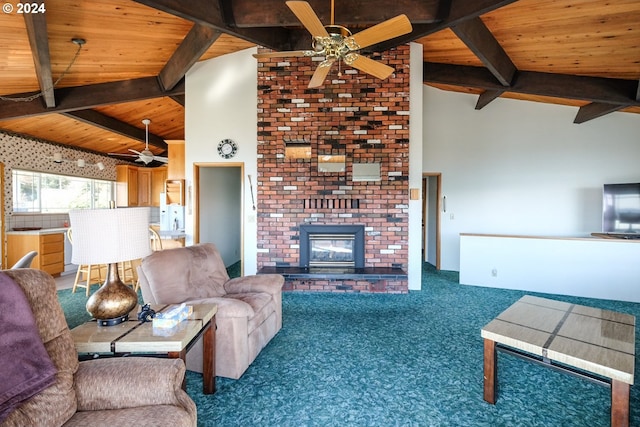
{"x": 227, "y": 148}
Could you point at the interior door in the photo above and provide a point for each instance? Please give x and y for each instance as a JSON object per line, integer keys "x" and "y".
{"x": 431, "y": 208}
{"x": 219, "y": 208}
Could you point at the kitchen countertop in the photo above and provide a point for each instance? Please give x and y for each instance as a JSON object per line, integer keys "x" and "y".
{"x": 172, "y": 234}
{"x": 40, "y": 232}
{"x": 164, "y": 234}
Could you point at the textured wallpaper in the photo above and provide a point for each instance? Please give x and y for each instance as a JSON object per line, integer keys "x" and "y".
{"x": 32, "y": 154}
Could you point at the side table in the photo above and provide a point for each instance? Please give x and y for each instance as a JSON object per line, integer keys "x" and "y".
{"x": 137, "y": 338}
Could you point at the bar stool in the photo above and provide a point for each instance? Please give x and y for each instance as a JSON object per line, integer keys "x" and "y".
{"x": 93, "y": 273}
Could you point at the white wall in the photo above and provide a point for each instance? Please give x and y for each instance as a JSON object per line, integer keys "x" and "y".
{"x": 518, "y": 167}
{"x": 221, "y": 102}
{"x": 585, "y": 267}
{"x": 415, "y": 168}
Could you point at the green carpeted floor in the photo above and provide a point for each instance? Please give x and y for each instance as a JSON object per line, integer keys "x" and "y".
{"x": 395, "y": 360}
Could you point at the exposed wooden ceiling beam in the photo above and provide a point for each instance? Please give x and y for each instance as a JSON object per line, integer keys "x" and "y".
{"x": 275, "y": 13}
{"x": 194, "y": 45}
{"x": 595, "y": 110}
{"x": 484, "y": 45}
{"x": 487, "y": 96}
{"x": 460, "y": 11}
{"x": 617, "y": 93}
{"x": 110, "y": 124}
{"x": 36, "y": 24}
{"x": 90, "y": 96}
{"x": 180, "y": 99}
{"x": 208, "y": 13}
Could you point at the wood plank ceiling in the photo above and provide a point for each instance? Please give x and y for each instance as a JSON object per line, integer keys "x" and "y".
{"x": 582, "y": 53}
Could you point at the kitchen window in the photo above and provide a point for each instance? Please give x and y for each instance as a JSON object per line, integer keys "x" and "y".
{"x": 37, "y": 192}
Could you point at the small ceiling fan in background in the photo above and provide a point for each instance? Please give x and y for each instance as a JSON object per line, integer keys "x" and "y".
{"x": 145, "y": 156}
{"x": 337, "y": 44}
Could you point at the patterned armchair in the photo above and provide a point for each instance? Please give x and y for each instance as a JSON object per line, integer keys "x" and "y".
{"x": 102, "y": 392}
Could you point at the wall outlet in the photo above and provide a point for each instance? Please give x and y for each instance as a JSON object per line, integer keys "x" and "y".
{"x": 494, "y": 272}
{"x": 451, "y": 216}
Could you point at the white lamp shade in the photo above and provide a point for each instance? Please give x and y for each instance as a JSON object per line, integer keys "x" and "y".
{"x": 105, "y": 236}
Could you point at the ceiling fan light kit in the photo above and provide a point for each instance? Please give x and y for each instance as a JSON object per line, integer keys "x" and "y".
{"x": 145, "y": 156}
{"x": 337, "y": 43}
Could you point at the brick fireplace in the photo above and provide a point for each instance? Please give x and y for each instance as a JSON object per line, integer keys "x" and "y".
{"x": 362, "y": 122}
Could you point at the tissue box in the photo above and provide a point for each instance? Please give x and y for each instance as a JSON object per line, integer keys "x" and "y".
{"x": 171, "y": 317}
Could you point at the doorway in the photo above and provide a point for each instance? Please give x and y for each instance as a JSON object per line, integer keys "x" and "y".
{"x": 219, "y": 209}
{"x": 431, "y": 208}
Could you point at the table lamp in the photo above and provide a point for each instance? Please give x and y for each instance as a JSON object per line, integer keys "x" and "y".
{"x": 110, "y": 236}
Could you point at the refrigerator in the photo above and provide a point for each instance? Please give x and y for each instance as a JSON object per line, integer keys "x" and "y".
{"x": 171, "y": 216}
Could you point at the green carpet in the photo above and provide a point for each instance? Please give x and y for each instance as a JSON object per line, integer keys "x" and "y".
{"x": 396, "y": 360}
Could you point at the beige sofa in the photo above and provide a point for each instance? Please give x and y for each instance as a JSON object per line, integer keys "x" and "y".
{"x": 249, "y": 308}
{"x": 105, "y": 392}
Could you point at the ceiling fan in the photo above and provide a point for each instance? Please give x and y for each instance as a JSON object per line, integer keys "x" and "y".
{"x": 145, "y": 156}
{"x": 337, "y": 44}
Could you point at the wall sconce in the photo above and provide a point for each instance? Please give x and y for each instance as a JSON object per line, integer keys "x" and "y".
{"x": 81, "y": 163}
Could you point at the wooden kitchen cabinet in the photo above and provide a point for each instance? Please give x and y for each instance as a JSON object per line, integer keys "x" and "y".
{"x": 139, "y": 186}
{"x": 144, "y": 187}
{"x": 126, "y": 185}
{"x": 158, "y": 177}
{"x": 50, "y": 248}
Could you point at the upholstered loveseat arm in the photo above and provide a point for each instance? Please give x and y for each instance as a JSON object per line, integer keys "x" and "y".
{"x": 128, "y": 382}
{"x": 269, "y": 283}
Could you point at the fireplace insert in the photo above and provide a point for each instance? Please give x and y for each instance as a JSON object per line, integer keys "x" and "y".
{"x": 332, "y": 246}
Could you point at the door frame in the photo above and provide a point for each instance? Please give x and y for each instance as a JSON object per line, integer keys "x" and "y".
{"x": 438, "y": 212}
{"x": 196, "y": 201}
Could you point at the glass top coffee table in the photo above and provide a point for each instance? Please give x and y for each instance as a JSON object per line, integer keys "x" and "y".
{"x": 137, "y": 338}
{"x": 587, "y": 341}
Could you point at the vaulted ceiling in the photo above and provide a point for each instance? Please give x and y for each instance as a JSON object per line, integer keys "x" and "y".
{"x": 94, "y": 95}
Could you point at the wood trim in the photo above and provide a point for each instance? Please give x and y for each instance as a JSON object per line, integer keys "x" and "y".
{"x": 438, "y": 237}
{"x": 196, "y": 202}
{"x": 594, "y": 238}
{"x": 3, "y": 226}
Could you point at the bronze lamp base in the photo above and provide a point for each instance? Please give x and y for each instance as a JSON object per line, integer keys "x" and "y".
{"x": 111, "y": 304}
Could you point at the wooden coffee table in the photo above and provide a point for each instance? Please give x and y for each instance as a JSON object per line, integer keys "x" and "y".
{"x": 599, "y": 344}
{"x": 136, "y": 338}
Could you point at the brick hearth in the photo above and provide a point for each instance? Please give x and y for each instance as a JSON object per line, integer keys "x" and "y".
{"x": 355, "y": 115}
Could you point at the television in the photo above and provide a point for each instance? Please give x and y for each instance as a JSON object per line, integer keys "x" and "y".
{"x": 621, "y": 209}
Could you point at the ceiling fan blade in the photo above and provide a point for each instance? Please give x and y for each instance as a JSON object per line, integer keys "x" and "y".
{"x": 321, "y": 73}
{"x": 369, "y": 66}
{"x": 284, "y": 54}
{"x": 307, "y": 16}
{"x": 161, "y": 159}
{"x": 134, "y": 151}
{"x": 383, "y": 31}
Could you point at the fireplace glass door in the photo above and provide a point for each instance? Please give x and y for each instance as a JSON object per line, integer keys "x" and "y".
{"x": 331, "y": 250}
